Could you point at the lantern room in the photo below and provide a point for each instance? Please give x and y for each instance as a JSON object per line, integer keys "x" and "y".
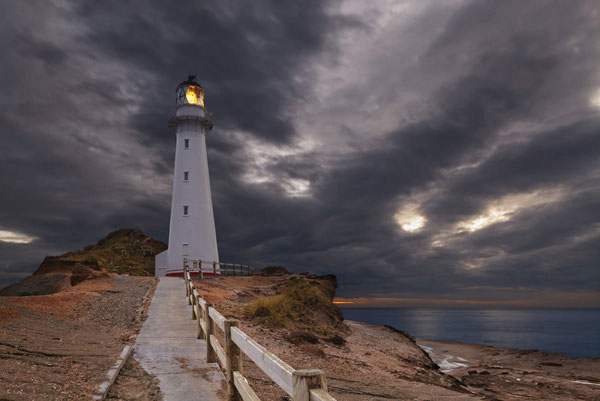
{"x": 190, "y": 93}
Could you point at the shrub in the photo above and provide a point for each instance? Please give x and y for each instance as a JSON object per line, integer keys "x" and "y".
{"x": 297, "y": 301}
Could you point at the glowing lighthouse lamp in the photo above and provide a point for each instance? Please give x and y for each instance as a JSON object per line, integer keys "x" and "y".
{"x": 192, "y": 227}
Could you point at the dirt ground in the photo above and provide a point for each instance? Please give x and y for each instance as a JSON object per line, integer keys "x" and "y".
{"x": 134, "y": 384}
{"x": 60, "y": 346}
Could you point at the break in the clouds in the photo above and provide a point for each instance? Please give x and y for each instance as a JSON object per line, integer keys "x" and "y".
{"x": 416, "y": 149}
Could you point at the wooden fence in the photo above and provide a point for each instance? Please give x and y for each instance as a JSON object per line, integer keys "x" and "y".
{"x": 300, "y": 385}
{"x": 206, "y": 268}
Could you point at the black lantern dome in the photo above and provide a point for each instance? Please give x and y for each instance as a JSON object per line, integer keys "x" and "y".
{"x": 190, "y": 92}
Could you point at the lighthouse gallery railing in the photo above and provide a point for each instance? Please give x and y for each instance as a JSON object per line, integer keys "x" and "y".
{"x": 203, "y": 268}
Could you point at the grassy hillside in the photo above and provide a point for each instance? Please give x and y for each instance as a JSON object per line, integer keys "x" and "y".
{"x": 122, "y": 251}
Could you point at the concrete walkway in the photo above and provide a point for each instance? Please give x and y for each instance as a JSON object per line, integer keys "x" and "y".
{"x": 168, "y": 348}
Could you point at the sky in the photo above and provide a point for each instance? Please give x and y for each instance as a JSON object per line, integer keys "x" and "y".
{"x": 427, "y": 153}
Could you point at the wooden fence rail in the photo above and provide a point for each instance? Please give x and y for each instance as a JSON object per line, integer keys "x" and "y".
{"x": 299, "y": 384}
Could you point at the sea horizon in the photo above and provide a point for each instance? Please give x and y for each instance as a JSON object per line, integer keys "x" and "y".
{"x": 471, "y": 307}
{"x": 573, "y": 332}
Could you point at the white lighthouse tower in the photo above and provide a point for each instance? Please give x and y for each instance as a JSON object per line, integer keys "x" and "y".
{"x": 192, "y": 229}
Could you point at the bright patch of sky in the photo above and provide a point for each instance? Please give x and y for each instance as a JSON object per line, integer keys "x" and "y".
{"x": 263, "y": 156}
{"x": 409, "y": 219}
{"x": 15, "y": 237}
{"x": 595, "y": 99}
{"x": 501, "y": 210}
{"x": 505, "y": 209}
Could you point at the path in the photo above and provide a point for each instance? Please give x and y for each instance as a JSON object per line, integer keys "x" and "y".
{"x": 168, "y": 348}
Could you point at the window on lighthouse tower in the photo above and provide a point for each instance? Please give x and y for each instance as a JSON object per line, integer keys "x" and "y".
{"x": 185, "y": 210}
{"x": 186, "y": 175}
{"x": 186, "y": 143}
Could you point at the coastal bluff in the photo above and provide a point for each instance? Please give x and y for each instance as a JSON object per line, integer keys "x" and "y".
{"x": 292, "y": 315}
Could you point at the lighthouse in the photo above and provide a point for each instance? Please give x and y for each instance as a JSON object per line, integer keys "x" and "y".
{"x": 192, "y": 232}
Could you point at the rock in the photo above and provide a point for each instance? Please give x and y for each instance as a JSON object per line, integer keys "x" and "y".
{"x": 297, "y": 337}
{"x": 330, "y": 277}
{"x": 550, "y": 364}
{"x": 261, "y": 312}
{"x": 272, "y": 271}
{"x": 37, "y": 285}
{"x": 404, "y": 333}
{"x": 337, "y": 340}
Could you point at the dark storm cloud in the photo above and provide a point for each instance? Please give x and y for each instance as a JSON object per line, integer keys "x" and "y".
{"x": 507, "y": 88}
{"x": 248, "y": 56}
{"x": 68, "y": 160}
{"x": 561, "y": 156}
{"x": 353, "y": 230}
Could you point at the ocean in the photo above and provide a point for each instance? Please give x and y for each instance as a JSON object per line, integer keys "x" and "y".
{"x": 571, "y": 332}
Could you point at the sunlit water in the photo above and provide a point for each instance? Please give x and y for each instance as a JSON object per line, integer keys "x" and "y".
{"x": 572, "y": 332}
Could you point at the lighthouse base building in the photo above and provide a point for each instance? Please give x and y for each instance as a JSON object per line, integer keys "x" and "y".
{"x": 192, "y": 234}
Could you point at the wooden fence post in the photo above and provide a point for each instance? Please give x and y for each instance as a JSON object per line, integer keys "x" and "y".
{"x": 210, "y": 328}
{"x": 194, "y": 300}
{"x": 233, "y": 359}
{"x": 202, "y": 316}
{"x": 305, "y": 379}
{"x": 187, "y": 290}
{"x": 189, "y": 286}
{"x": 185, "y": 279}
{"x": 215, "y": 270}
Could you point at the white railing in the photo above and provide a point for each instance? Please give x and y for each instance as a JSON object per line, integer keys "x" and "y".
{"x": 208, "y": 268}
{"x": 301, "y": 385}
